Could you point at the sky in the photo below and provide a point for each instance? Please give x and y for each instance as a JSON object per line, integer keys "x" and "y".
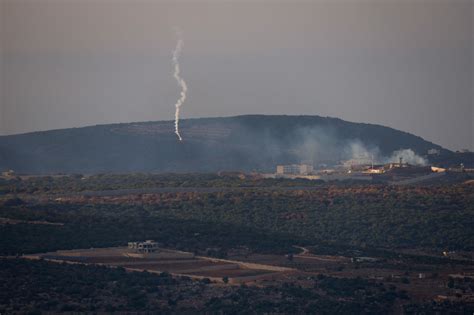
{"x": 406, "y": 64}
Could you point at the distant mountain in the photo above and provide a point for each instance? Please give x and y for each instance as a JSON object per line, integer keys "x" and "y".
{"x": 251, "y": 142}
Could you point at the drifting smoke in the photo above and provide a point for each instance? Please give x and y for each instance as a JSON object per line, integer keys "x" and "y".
{"x": 356, "y": 152}
{"x": 361, "y": 154}
{"x": 316, "y": 145}
{"x": 181, "y": 83}
{"x": 408, "y": 156}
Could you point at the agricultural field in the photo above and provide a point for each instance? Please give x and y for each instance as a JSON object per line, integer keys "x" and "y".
{"x": 174, "y": 262}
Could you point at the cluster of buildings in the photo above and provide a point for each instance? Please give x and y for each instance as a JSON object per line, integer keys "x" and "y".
{"x": 395, "y": 172}
{"x": 294, "y": 169}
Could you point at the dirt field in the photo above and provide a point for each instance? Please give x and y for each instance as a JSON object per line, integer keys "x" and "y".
{"x": 421, "y": 281}
{"x": 174, "y": 262}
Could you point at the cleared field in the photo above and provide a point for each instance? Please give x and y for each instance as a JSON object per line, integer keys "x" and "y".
{"x": 421, "y": 280}
{"x": 181, "y": 267}
{"x": 174, "y": 262}
{"x": 234, "y": 273}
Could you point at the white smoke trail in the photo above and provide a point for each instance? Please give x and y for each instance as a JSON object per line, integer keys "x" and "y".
{"x": 181, "y": 83}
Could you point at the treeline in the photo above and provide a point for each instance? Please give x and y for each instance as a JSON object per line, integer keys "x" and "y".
{"x": 39, "y": 286}
{"x": 373, "y": 216}
{"x": 79, "y": 182}
{"x": 105, "y": 226}
{"x": 438, "y": 218}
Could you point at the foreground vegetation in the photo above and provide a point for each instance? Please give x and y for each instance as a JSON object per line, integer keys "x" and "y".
{"x": 258, "y": 215}
{"x": 33, "y": 286}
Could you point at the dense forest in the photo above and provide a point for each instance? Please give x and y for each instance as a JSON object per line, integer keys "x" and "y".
{"x": 264, "y": 216}
{"x": 63, "y": 184}
{"x": 34, "y": 286}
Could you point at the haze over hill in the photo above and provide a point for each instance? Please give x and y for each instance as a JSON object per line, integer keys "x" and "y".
{"x": 253, "y": 142}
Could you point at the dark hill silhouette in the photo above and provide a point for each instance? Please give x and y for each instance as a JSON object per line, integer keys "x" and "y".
{"x": 250, "y": 142}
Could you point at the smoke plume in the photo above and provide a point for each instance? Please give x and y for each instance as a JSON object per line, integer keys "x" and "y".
{"x": 408, "y": 156}
{"x": 366, "y": 155}
{"x": 181, "y": 83}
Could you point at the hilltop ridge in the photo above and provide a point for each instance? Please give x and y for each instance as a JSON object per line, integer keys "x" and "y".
{"x": 248, "y": 142}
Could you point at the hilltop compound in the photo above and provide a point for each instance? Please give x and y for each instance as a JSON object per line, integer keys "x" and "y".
{"x": 148, "y": 246}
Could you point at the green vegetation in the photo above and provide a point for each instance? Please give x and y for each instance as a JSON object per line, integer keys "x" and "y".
{"x": 258, "y": 216}
{"x": 98, "y": 231}
{"x": 335, "y": 218}
{"x": 448, "y": 307}
{"x": 376, "y": 216}
{"x": 39, "y": 286}
{"x": 79, "y": 183}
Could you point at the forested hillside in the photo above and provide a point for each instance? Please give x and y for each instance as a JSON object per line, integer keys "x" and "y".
{"x": 255, "y": 142}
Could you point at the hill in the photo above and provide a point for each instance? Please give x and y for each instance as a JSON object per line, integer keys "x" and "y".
{"x": 251, "y": 142}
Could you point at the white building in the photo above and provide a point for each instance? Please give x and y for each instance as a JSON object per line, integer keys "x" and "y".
{"x": 294, "y": 169}
{"x": 148, "y": 246}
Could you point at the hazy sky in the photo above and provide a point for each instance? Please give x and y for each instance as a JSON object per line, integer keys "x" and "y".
{"x": 407, "y": 64}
